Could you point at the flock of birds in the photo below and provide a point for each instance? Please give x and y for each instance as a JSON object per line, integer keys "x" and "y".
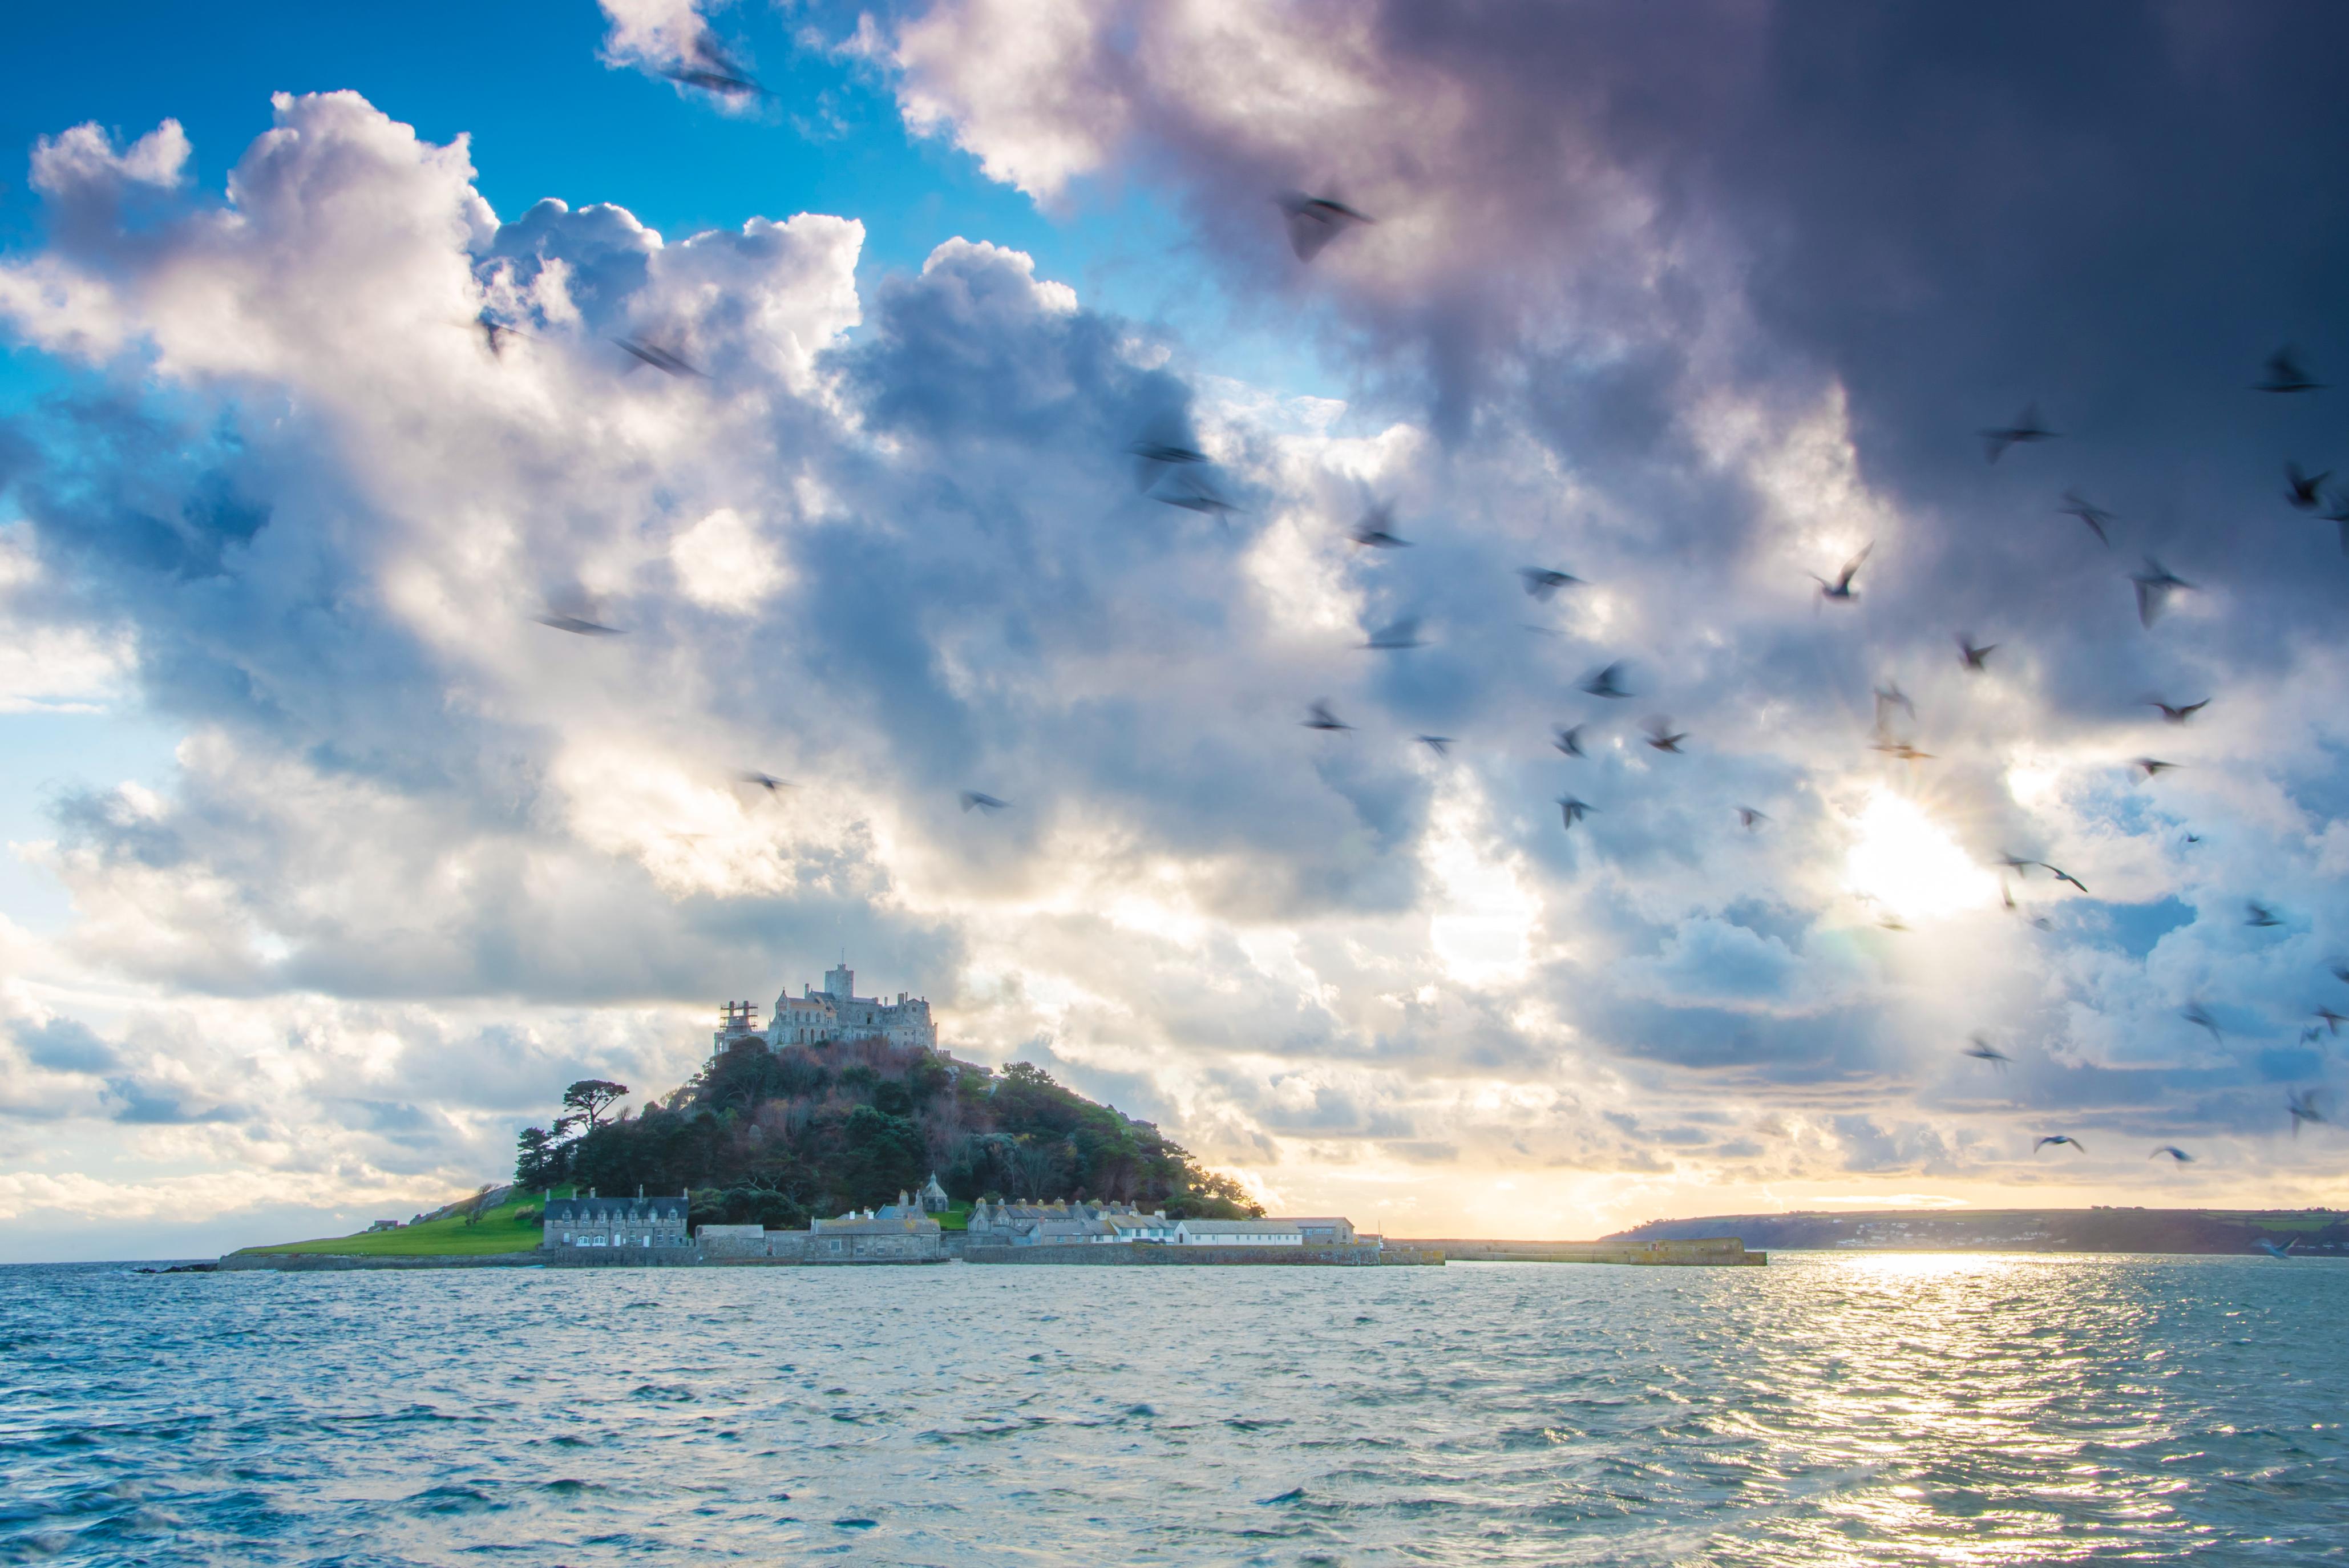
{"x": 1169, "y": 470}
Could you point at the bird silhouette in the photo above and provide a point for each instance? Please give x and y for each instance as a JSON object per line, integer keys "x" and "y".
{"x": 1661, "y": 736}
{"x": 1440, "y": 745}
{"x": 2059, "y": 1138}
{"x": 1315, "y": 221}
{"x": 1976, "y": 658}
{"x": 2285, "y": 374}
{"x": 2196, "y": 1015}
{"x": 1574, "y": 810}
{"x": 1569, "y": 740}
{"x": 2258, "y": 914}
{"x": 665, "y": 360}
{"x": 2027, "y": 428}
{"x": 1543, "y": 584}
{"x": 1749, "y": 818}
{"x": 2149, "y": 767}
{"x": 1904, "y": 750}
{"x": 974, "y": 798}
{"x": 1195, "y": 497}
{"x": 1608, "y": 682}
{"x": 1890, "y": 696}
{"x": 578, "y": 626}
{"x": 2062, "y": 876}
{"x": 1376, "y": 529}
{"x": 1396, "y": 636}
{"x": 2189, "y": 841}
{"x": 2270, "y": 1247}
{"x": 2088, "y": 511}
{"x": 713, "y": 70}
{"x": 2332, "y": 1021}
{"x": 1982, "y": 1050}
{"x": 2304, "y": 1106}
{"x": 1159, "y": 452}
{"x": 2180, "y": 714}
{"x": 2174, "y": 1152}
{"x": 2341, "y": 972}
{"x": 2155, "y": 585}
{"x": 767, "y": 782}
{"x": 1318, "y": 716}
{"x": 2304, "y": 491}
{"x": 1841, "y": 589}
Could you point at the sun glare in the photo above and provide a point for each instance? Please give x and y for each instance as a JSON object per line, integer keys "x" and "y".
{"x": 1908, "y": 863}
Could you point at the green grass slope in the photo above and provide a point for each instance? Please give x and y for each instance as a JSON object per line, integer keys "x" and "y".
{"x": 502, "y": 1230}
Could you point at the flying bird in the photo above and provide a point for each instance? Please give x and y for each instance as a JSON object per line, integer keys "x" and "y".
{"x": 2177, "y": 715}
{"x": 712, "y": 71}
{"x": 2310, "y": 1034}
{"x": 1889, "y": 695}
{"x": 659, "y": 357}
{"x": 2304, "y": 1106}
{"x": 2341, "y": 972}
{"x": 1982, "y": 1050}
{"x": 2061, "y": 1138}
{"x": 1574, "y": 810}
{"x": 2154, "y": 587}
{"x": 2149, "y": 767}
{"x": 2174, "y": 1152}
{"x": 987, "y": 803}
{"x": 1400, "y": 634}
{"x": 1841, "y": 588}
{"x": 2062, "y": 876}
{"x": 1317, "y": 716}
{"x": 1569, "y": 740}
{"x": 1195, "y": 497}
{"x": 1377, "y": 528}
{"x": 2285, "y": 374}
{"x": 2189, "y": 841}
{"x": 1661, "y": 736}
{"x": 1315, "y": 221}
{"x": 2304, "y": 491}
{"x": 1749, "y": 818}
{"x": 2271, "y": 1249}
{"x": 767, "y": 782}
{"x": 2332, "y": 1021}
{"x": 1543, "y": 584}
{"x": 2258, "y": 914}
{"x": 578, "y": 626}
{"x": 1975, "y": 659}
{"x": 1608, "y": 682}
{"x": 2027, "y": 428}
{"x": 1906, "y": 750}
{"x": 1156, "y": 453}
{"x": 2088, "y": 511}
{"x": 2196, "y": 1015}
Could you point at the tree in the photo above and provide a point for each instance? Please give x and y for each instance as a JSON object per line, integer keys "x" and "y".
{"x": 538, "y": 1161}
{"x": 591, "y": 1097}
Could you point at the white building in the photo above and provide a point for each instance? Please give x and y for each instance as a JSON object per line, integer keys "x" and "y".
{"x": 836, "y": 1013}
{"x": 1237, "y": 1233}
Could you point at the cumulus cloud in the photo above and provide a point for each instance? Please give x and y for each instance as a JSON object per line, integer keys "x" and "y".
{"x": 421, "y": 855}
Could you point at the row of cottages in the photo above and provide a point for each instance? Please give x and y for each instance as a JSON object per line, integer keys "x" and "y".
{"x": 899, "y": 1232}
{"x": 642, "y": 1222}
{"x": 1065, "y": 1224}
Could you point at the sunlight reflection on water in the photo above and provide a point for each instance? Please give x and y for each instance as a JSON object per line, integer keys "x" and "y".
{"x": 1926, "y": 1408}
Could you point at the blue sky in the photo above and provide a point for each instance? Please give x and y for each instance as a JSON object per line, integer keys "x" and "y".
{"x": 331, "y": 864}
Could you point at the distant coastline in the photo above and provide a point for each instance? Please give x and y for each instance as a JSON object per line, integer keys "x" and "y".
{"x": 2306, "y": 1233}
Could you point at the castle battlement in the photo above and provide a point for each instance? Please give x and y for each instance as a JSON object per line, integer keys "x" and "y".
{"x": 836, "y": 1013}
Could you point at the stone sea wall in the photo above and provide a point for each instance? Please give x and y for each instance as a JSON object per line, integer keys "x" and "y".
{"x": 1145, "y": 1256}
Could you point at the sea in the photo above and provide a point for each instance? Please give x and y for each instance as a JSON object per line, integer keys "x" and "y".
{"x": 1874, "y": 1408}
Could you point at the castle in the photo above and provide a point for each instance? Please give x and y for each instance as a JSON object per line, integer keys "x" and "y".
{"x": 836, "y": 1013}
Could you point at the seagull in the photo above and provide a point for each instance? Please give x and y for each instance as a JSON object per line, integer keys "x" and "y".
{"x": 1574, "y": 810}
{"x": 2311, "y": 1034}
{"x": 2154, "y": 587}
{"x": 1661, "y": 736}
{"x": 2258, "y": 914}
{"x": 1569, "y": 741}
{"x": 2196, "y": 1015}
{"x": 577, "y": 624}
{"x": 2305, "y": 1106}
{"x": 1376, "y": 529}
{"x": 2285, "y": 374}
{"x": 2305, "y": 491}
{"x": 1401, "y": 634}
{"x": 2062, "y": 876}
{"x": 1153, "y": 457}
{"x": 1608, "y": 682}
{"x": 2177, "y": 715}
{"x": 1983, "y": 1050}
{"x": 2190, "y": 840}
{"x": 659, "y": 357}
{"x": 2016, "y": 863}
{"x": 2088, "y": 511}
{"x": 2332, "y": 1021}
{"x": 767, "y": 782}
{"x": 1841, "y": 587}
{"x": 1196, "y": 497}
{"x": 1892, "y": 922}
{"x": 2149, "y": 767}
{"x": 1543, "y": 582}
{"x": 1315, "y": 221}
{"x": 2272, "y": 1249}
{"x": 1440, "y": 745}
{"x": 1749, "y": 818}
{"x": 1317, "y": 716}
{"x": 2025, "y": 428}
{"x": 2059, "y": 1138}
{"x": 494, "y": 331}
{"x": 1890, "y": 696}
{"x": 714, "y": 72}
{"x": 1975, "y": 658}
{"x": 971, "y": 797}
{"x": 1904, "y": 750}
{"x": 2174, "y": 1152}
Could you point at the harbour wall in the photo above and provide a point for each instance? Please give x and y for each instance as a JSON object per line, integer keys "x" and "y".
{"x": 1693, "y": 1253}
{"x": 1145, "y": 1256}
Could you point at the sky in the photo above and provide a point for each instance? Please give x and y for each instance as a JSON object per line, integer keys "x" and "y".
{"x": 329, "y": 865}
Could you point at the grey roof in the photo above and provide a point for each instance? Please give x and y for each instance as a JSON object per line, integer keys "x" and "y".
{"x": 576, "y": 1210}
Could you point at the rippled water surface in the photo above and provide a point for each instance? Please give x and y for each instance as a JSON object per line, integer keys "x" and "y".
{"x": 1871, "y": 1410}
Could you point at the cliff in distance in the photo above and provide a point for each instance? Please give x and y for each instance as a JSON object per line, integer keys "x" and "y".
{"x": 2316, "y": 1232}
